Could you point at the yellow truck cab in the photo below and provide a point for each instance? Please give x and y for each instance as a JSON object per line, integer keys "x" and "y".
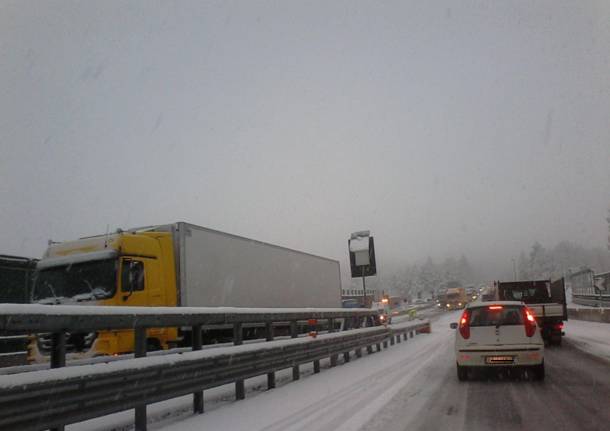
{"x": 122, "y": 269}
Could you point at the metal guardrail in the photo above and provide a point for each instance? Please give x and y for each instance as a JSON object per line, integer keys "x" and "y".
{"x": 54, "y": 398}
{"x": 13, "y": 350}
{"x": 59, "y": 320}
{"x": 592, "y": 301}
{"x": 591, "y": 314}
{"x": 20, "y": 318}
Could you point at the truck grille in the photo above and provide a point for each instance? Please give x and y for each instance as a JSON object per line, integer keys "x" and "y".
{"x": 75, "y": 342}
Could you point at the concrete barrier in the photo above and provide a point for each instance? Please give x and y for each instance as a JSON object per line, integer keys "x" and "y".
{"x": 590, "y": 314}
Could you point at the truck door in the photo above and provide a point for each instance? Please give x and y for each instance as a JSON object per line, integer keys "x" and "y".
{"x": 558, "y": 295}
{"x": 135, "y": 279}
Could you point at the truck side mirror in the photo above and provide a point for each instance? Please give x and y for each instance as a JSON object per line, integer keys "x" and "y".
{"x": 132, "y": 277}
{"x": 453, "y": 325}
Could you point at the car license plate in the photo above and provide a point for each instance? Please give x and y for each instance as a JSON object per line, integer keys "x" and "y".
{"x": 499, "y": 359}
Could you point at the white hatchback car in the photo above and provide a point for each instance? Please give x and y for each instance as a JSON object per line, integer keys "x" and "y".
{"x": 498, "y": 334}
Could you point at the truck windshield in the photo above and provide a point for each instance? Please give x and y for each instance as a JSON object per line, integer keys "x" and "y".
{"x": 81, "y": 281}
{"x": 495, "y": 316}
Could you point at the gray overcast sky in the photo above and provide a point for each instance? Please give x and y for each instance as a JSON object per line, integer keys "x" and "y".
{"x": 443, "y": 127}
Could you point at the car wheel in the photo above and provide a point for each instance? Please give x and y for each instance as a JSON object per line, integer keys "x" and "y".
{"x": 462, "y": 373}
{"x": 538, "y": 372}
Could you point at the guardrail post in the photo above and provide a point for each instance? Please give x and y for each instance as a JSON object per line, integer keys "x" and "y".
{"x": 238, "y": 339}
{"x": 398, "y": 340}
{"x": 271, "y": 375}
{"x": 392, "y": 340}
{"x": 358, "y": 352}
{"x": 369, "y": 349}
{"x": 331, "y": 328}
{"x": 58, "y": 349}
{"x": 197, "y": 345}
{"x": 294, "y": 333}
{"x": 411, "y": 334}
{"x": 313, "y": 332}
{"x": 347, "y": 324}
{"x": 385, "y": 343}
{"x": 58, "y": 357}
{"x": 378, "y": 345}
{"x": 404, "y": 336}
{"x": 140, "y": 352}
{"x": 346, "y": 327}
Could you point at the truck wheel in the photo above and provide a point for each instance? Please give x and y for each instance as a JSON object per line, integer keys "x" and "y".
{"x": 462, "y": 373}
{"x": 153, "y": 344}
{"x": 538, "y": 372}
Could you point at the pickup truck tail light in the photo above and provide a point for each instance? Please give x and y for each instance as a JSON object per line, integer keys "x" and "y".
{"x": 465, "y": 324}
{"x": 529, "y": 321}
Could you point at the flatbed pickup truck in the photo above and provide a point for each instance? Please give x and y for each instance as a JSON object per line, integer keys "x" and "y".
{"x": 546, "y": 299}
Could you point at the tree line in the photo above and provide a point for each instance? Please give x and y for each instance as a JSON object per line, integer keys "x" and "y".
{"x": 556, "y": 262}
{"x": 426, "y": 279}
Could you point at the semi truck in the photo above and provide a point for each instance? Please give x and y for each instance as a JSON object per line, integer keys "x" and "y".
{"x": 15, "y": 285}
{"x": 175, "y": 265}
{"x": 547, "y": 300}
{"x": 455, "y": 298}
{"x": 16, "y": 278}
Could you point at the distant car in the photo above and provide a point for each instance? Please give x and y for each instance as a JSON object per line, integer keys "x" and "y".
{"x": 498, "y": 334}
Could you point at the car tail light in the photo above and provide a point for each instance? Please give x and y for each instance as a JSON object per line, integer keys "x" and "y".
{"x": 529, "y": 321}
{"x": 559, "y": 326}
{"x": 465, "y": 324}
{"x": 495, "y": 307}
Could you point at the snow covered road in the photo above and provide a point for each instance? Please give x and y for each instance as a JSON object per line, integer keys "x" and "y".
{"x": 592, "y": 337}
{"x": 574, "y": 396}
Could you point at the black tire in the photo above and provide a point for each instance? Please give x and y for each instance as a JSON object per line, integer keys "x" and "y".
{"x": 462, "y": 373}
{"x": 152, "y": 344}
{"x": 538, "y": 372}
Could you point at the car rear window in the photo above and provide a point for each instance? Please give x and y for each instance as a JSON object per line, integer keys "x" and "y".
{"x": 496, "y": 315}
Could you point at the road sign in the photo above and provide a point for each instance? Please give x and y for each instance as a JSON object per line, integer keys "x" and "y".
{"x": 362, "y": 255}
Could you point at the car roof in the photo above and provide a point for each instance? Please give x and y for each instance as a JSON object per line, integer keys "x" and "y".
{"x": 488, "y": 303}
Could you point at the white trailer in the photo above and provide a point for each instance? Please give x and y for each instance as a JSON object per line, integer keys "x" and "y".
{"x": 215, "y": 269}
